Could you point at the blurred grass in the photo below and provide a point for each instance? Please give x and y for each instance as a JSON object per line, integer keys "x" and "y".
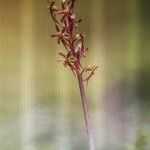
{"x": 118, "y": 40}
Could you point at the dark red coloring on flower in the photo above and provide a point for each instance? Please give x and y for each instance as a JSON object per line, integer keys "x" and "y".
{"x": 65, "y": 22}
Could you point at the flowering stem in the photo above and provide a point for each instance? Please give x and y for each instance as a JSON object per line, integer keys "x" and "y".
{"x": 65, "y": 24}
{"x": 86, "y": 112}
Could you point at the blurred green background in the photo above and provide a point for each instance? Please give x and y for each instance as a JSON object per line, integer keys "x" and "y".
{"x": 40, "y": 106}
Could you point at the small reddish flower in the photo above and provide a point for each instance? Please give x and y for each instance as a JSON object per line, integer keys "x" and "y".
{"x": 65, "y": 24}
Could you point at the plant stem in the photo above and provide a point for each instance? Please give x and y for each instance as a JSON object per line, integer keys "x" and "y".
{"x": 86, "y": 112}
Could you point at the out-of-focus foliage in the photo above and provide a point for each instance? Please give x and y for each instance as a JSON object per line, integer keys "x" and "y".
{"x": 40, "y": 107}
{"x": 141, "y": 141}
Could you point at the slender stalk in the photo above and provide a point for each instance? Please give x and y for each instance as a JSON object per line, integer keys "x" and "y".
{"x": 65, "y": 24}
{"x": 86, "y": 113}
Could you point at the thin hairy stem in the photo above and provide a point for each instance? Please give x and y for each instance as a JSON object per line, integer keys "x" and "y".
{"x": 86, "y": 112}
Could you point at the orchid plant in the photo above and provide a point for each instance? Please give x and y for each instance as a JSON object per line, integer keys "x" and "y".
{"x": 66, "y": 23}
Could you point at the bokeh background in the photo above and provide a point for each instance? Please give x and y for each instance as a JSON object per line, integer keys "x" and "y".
{"x": 40, "y": 106}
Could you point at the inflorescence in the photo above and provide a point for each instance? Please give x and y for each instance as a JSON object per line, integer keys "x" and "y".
{"x": 66, "y": 24}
